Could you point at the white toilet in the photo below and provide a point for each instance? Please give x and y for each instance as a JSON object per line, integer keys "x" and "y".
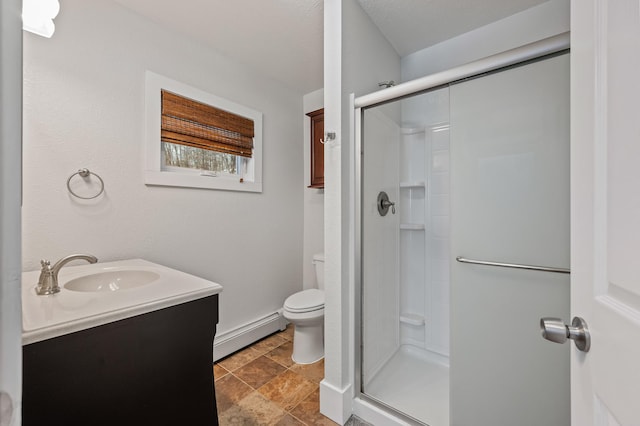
{"x": 305, "y": 310}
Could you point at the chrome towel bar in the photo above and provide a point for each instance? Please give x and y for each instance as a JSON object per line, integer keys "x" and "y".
{"x": 514, "y": 265}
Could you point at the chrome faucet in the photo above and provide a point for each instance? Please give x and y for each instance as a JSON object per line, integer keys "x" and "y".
{"x": 48, "y": 281}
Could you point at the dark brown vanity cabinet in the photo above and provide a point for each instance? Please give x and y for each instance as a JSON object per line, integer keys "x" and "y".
{"x": 317, "y": 148}
{"x": 150, "y": 369}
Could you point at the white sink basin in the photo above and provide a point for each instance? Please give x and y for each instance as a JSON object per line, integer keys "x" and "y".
{"x": 104, "y": 292}
{"x": 112, "y": 280}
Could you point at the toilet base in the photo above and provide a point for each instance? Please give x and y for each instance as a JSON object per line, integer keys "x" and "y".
{"x": 308, "y": 343}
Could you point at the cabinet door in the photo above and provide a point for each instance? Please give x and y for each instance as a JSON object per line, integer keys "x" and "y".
{"x": 317, "y": 149}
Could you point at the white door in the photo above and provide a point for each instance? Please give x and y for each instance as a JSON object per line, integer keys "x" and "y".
{"x": 605, "y": 203}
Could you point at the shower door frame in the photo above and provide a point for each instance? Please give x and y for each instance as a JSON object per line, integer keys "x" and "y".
{"x": 363, "y": 403}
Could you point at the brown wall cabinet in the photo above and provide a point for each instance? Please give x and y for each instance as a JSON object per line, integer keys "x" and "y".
{"x": 317, "y": 148}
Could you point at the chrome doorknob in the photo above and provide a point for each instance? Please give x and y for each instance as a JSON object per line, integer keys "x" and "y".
{"x": 555, "y": 330}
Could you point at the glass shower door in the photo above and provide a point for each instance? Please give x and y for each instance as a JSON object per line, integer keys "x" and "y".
{"x": 510, "y": 204}
{"x": 479, "y": 169}
{"x": 405, "y": 256}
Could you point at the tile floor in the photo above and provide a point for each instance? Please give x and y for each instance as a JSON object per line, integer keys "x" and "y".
{"x": 261, "y": 385}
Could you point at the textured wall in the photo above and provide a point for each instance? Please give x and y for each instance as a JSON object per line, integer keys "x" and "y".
{"x": 84, "y": 106}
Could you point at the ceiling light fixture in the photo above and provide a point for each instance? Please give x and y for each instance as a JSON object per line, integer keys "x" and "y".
{"x": 37, "y": 16}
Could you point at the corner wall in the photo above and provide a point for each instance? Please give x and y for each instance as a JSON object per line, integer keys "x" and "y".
{"x": 357, "y": 57}
{"x": 84, "y": 107}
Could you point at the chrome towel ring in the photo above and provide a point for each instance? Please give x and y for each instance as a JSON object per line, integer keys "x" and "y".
{"x": 85, "y": 173}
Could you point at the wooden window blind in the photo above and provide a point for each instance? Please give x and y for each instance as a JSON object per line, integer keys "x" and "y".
{"x": 191, "y": 123}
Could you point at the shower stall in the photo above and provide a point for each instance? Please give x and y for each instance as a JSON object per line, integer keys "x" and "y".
{"x": 464, "y": 192}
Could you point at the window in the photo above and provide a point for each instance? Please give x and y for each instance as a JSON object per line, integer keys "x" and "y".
{"x": 195, "y": 139}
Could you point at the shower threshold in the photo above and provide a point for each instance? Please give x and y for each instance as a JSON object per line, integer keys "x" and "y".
{"x": 414, "y": 382}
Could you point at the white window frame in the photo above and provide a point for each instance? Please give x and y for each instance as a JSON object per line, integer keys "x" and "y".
{"x": 156, "y": 174}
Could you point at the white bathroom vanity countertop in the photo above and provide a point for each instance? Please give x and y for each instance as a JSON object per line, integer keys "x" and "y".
{"x": 44, "y": 317}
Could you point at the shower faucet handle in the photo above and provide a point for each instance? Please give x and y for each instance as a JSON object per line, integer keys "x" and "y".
{"x": 384, "y": 204}
{"x": 387, "y": 204}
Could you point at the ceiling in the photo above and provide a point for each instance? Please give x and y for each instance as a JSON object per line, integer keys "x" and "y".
{"x": 284, "y": 38}
{"x": 412, "y": 25}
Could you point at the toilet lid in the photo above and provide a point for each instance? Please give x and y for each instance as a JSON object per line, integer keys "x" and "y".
{"x": 305, "y": 301}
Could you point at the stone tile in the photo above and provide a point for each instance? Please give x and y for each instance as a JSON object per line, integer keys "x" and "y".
{"x": 287, "y": 333}
{"x": 219, "y": 371}
{"x": 259, "y": 371}
{"x": 236, "y": 416}
{"x": 229, "y": 391}
{"x": 288, "y": 389}
{"x": 269, "y": 343}
{"x": 240, "y": 358}
{"x": 254, "y": 409}
{"x": 289, "y": 420}
{"x": 313, "y": 372}
{"x": 282, "y": 354}
{"x": 308, "y": 410}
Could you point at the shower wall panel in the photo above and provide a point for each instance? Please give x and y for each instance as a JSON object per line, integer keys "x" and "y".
{"x": 439, "y": 225}
{"x": 424, "y": 254}
{"x": 412, "y": 170}
{"x": 380, "y": 292}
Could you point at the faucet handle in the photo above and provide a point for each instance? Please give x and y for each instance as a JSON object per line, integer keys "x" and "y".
{"x": 46, "y": 266}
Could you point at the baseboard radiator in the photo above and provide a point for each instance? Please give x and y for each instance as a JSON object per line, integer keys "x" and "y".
{"x": 233, "y": 340}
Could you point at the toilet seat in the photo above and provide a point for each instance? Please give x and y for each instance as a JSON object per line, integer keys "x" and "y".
{"x": 305, "y": 301}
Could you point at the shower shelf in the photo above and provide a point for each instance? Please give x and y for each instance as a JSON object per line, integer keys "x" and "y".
{"x": 418, "y": 184}
{"x": 412, "y": 130}
{"x": 412, "y": 319}
{"x": 412, "y": 226}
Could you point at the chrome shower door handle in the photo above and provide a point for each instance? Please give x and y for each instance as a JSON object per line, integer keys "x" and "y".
{"x": 555, "y": 330}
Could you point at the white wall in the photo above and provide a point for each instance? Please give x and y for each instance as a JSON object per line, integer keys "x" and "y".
{"x": 313, "y": 197}
{"x": 539, "y": 22}
{"x": 83, "y": 107}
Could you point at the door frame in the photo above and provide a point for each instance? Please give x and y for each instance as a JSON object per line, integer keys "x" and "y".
{"x": 605, "y": 234}
{"x": 10, "y": 213}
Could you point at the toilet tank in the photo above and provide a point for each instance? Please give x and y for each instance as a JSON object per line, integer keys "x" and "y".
{"x": 318, "y": 263}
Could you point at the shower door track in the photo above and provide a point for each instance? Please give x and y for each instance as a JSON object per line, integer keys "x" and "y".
{"x": 531, "y": 51}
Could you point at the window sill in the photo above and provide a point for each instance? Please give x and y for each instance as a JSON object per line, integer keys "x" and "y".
{"x": 161, "y": 178}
